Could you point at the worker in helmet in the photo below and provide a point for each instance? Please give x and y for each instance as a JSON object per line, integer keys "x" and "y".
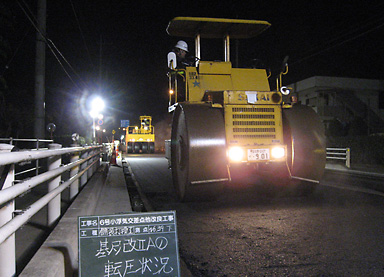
{"x": 177, "y": 60}
{"x": 181, "y": 50}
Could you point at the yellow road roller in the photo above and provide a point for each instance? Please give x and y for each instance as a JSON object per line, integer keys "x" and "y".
{"x": 227, "y": 121}
{"x": 141, "y": 139}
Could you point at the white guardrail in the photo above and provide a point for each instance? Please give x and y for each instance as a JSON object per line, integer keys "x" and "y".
{"x": 84, "y": 162}
{"x": 340, "y": 154}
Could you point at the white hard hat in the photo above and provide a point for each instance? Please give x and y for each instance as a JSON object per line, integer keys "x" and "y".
{"x": 181, "y": 44}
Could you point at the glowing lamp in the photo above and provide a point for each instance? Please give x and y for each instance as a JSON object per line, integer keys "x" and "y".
{"x": 278, "y": 152}
{"x": 236, "y": 154}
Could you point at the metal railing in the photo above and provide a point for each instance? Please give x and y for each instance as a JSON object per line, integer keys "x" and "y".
{"x": 340, "y": 154}
{"x": 84, "y": 161}
{"x": 37, "y": 141}
{"x": 31, "y": 144}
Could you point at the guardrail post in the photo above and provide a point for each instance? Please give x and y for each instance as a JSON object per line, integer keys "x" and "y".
{"x": 74, "y": 188}
{"x": 84, "y": 177}
{"x": 93, "y": 160}
{"x": 37, "y": 161}
{"x": 348, "y": 158}
{"x": 54, "y": 206}
{"x": 98, "y": 157}
{"x": 7, "y": 248}
{"x": 90, "y": 170}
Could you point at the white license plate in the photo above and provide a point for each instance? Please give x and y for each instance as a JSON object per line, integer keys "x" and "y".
{"x": 258, "y": 154}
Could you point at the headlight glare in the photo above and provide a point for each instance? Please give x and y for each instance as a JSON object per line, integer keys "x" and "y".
{"x": 236, "y": 154}
{"x": 278, "y": 152}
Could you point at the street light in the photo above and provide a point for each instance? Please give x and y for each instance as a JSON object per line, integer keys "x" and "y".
{"x": 97, "y": 105}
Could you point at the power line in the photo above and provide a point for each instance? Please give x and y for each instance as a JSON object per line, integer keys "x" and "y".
{"x": 81, "y": 33}
{"x": 16, "y": 51}
{"x": 62, "y": 56}
{"x": 48, "y": 42}
{"x": 342, "y": 35}
{"x": 338, "y": 44}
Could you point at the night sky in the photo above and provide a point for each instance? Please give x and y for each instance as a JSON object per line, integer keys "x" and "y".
{"x": 129, "y": 40}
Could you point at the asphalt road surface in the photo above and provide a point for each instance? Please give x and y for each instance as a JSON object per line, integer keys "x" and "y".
{"x": 337, "y": 231}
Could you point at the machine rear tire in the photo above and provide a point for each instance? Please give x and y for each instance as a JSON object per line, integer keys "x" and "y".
{"x": 151, "y": 147}
{"x": 129, "y": 147}
{"x": 144, "y": 147}
{"x": 198, "y": 153}
{"x": 136, "y": 147}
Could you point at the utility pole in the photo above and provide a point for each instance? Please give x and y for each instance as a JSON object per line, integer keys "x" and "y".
{"x": 40, "y": 70}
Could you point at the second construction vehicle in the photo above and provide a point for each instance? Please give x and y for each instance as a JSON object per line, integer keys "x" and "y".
{"x": 141, "y": 139}
{"x": 227, "y": 121}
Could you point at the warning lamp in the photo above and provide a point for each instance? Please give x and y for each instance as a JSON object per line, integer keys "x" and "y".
{"x": 293, "y": 99}
{"x": 171, "y": 91}
{"x": 285, "y": 90}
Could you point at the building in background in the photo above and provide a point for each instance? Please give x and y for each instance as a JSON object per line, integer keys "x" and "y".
{"x": 348, "y": 106}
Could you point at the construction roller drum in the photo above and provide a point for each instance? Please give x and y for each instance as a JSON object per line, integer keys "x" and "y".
{"x": 305, "y": 138}
{"x": 198, "y": 144}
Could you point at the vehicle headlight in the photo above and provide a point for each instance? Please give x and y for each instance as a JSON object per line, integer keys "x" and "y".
{"x": 236, "y": 154}
{"x": 278, "y": 152}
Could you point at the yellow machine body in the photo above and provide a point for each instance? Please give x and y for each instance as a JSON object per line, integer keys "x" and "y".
{"x": 252, "y": 113}
{"x": 226, "y": 118}
{"x": 141, "y": 139}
